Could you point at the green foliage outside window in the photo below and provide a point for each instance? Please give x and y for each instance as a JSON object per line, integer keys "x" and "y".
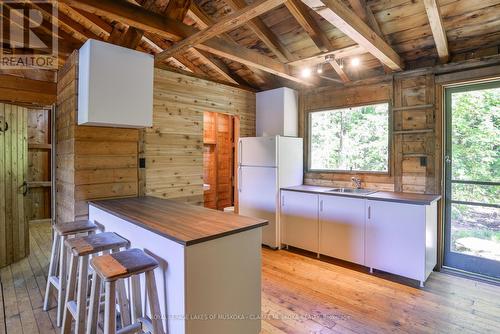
{"x": 350, "y": 139}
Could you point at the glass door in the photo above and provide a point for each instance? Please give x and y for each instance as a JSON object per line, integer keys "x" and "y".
{"x": 472, "y": 176}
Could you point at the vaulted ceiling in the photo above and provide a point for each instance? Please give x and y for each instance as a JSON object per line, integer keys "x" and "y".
{"x": 268, "y": 43}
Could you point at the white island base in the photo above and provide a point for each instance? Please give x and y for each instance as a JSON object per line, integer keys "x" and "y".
{"x": 210, "y": 287}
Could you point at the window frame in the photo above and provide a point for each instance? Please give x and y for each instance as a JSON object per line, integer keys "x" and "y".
{"x": 307, "y": 140}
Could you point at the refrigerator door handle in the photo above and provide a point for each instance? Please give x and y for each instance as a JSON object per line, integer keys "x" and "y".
{"x": 240, "y": 152}
{"x": 240, "y": 181}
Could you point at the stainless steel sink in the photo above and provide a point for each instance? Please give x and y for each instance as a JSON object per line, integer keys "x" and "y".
{"x": 351, "y": 191}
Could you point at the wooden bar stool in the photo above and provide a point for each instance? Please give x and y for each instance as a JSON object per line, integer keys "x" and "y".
{"x": 58, "y": 258}
{"x": 118, "y": 266}
{"x": 81, "y": 249}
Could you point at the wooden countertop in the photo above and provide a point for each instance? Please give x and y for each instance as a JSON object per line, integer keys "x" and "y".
{"x": 183, "y": 223}
{"x": 391, "y": 196}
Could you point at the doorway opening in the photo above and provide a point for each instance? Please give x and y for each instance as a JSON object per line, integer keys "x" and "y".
{"x": 472, "y": 178}
{"x": 220, "y": 149}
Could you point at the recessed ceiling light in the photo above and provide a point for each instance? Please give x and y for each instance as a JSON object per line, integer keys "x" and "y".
{"x": 306, "y": 72}
{"x": 355, "y": 62}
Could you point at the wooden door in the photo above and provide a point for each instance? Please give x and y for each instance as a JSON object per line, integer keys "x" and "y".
{"x": 14, "y": 238}
{"x": 220, "y": 133}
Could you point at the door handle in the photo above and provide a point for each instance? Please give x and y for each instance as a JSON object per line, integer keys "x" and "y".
{"x": 25, "y": 188}
{"x": 240, "y": 181}
{"x": 6, "y": 127}
{"x": 239, "y": 152}
{"x": 447, "y": 159}
{"x": 369, "y": 212}
{"x": 282, "y": 200}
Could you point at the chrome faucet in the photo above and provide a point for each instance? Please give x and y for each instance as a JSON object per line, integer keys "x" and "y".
{"x": 356, "y": 181}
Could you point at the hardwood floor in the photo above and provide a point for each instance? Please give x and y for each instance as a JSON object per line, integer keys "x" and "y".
{"x": 300, "y": 295}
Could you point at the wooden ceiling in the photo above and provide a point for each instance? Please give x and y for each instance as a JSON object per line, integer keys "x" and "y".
{"x": 267, "y": 43}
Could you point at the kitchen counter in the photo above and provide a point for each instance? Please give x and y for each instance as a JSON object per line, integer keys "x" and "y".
{"x": 210, "y": 261}
{"x": 183, "y": 223}
{"x": 390, "y": 196}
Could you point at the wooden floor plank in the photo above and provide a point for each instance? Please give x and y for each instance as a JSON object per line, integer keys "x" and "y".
{"x": 301, "y": 295}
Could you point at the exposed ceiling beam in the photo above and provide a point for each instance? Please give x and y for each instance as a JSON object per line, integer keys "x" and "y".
{"x": 177, "y": 10}
{"x": 301, "y": 13}
{"x": 437, "y": 27}
{"x": 339, "y": 70}
{"x": 228, "y": 22}
{"x": 349, "y": 51}
{"x": 143, "y": 19}
{"x": 363, "y": 10}
{"x": 203, "y": 21}
{"x": 349, "y": 23}
{"x": 264, "y": 33}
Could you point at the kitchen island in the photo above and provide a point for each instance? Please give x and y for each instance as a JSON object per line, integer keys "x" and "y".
{"x": 209, "y": 278}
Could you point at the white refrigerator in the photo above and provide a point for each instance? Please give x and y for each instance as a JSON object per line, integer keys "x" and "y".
{"x": 267, "y": 164}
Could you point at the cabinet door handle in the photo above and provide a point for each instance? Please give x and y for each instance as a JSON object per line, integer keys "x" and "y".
{"x": 369, "y": 212}
{"x": 282, "y": 200}
{"x": 321, "y": 205}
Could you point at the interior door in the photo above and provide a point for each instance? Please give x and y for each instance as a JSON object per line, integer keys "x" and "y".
{"x": 472, "y": 168}
{"x": 14, "y": 237}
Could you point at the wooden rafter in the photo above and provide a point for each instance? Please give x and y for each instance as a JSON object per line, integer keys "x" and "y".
{"x": 339, "y": 70}
{"x": 437, "y": 27}
{"x": 338, "y": 14}
{"x": 300, "y": 12}
{"x": 264, "y": 33}
{"x": 230, "y": 21}
{"x": 143, "y": 19}
{"x": 349, "y": 51}
{"x": 203, "y": 21}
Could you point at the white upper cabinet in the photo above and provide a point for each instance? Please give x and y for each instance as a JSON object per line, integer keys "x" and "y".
{"x": 115, "y": 86}
{"x": 342, "y": 226}
{"x": 277, "y": 113}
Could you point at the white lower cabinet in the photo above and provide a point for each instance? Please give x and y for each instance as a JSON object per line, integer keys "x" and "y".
{"x": 299, "y": 220}
{"x": 401, "y": 238}
{"x": 342, "y": 228}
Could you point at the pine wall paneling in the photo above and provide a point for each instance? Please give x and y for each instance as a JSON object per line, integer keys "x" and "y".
{"x": 91, "y": 162}
{"x": 173, "y": 147}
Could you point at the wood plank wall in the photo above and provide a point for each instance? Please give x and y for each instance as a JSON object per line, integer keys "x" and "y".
{"x": 92, "y": 162}
{"x": 173, "y": 147}
{"x": 14, "y": 238}
{"x": 413, "y": 131}
{"x": 39, "y": 156}
{"x": 19, "y": 90}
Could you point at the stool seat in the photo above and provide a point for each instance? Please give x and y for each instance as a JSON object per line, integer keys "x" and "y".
{"x": 112, "y": 267}
{"x": 79, "y": 226}
{"x": 95, "y": 243}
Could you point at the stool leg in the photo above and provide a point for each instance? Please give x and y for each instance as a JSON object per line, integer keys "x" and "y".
{"x": 154, "y": 304}
{"x": 70, "y": 295}
{"x": 62, "y": 280}
{"x": 54, "y": 257}
{"x": 135, "y": 294}
{"x": 81, "y": 303}
{"x": 95, "y": 298}
{"x": 110, "y": 309}
{"x": 123, "y": 302}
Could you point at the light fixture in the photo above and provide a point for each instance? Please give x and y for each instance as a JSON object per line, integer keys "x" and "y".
{"x": 355, "y": 61}
{"x": 306, "y": 72}
{"x": 319, "y": 69}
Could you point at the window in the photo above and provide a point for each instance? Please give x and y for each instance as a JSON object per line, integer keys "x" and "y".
{"x": 350, "y": 139}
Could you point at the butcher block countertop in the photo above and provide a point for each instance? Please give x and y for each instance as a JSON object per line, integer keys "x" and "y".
{"x": 390, "y": 196}
{"x": 183, "y": 223}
